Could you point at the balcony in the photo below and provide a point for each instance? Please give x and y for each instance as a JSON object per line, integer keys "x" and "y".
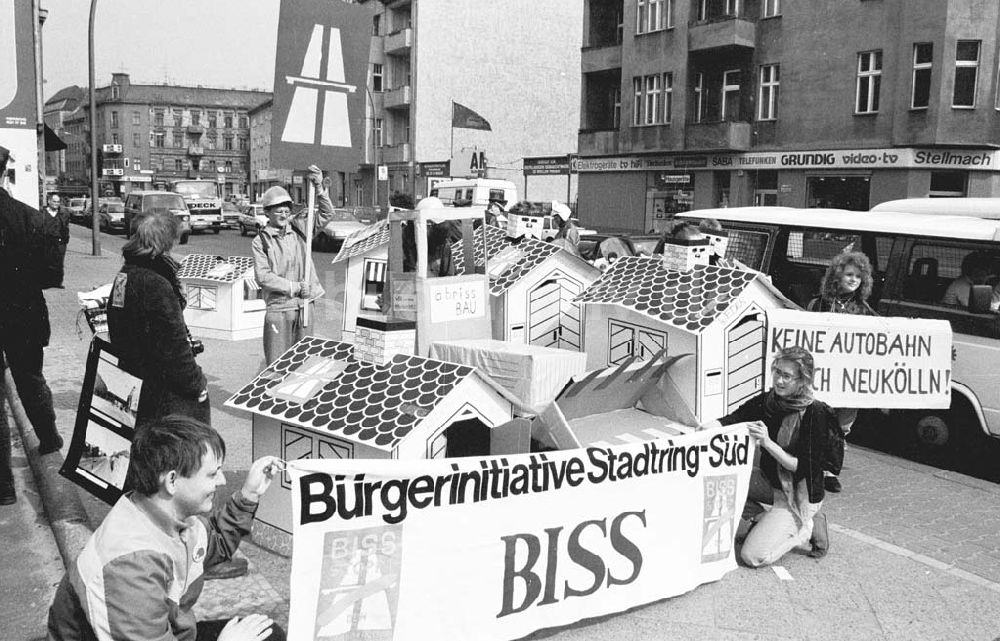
{"x": 196, "y": 150}
{"x": 196, "y": 130}
{"x": 395, "y": 154}
{"x": 718, "y": 136}
{"x": 111, "y": 149}
{"x": 399, "y": 42}
{"x": 598, "y": 142}
{"x": 398, "y": 98}
{"x": 729, "y": 31}
{"x": 112, "y": 171}
{"x": 601, "y": 58}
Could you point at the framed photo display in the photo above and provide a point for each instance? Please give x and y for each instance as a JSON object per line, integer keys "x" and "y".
{"x": 98, "y": 457}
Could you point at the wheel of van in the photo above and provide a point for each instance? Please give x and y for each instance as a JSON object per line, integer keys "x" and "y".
{"x": 184, "y": 238}
{"x": 243, "y": 229}
{"x": 932, "y": 430}
{"x": 216, "y": 230}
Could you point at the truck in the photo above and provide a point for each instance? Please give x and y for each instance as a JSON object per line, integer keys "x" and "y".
{"x": 203, "y": 202}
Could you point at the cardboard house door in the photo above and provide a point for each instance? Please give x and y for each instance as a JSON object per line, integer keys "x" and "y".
{"x": 744, "y": 359}
{"x": 553, "y": 317}
{"x": 625, "y": 340}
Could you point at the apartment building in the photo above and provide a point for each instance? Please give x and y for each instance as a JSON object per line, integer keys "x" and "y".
{"x": 516, "y": 63}
{"x": 711, "y": 103}
{"x": 149, "y": 135}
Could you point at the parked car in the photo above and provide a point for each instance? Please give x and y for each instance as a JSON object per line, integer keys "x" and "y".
{"x": 343, "y": 224}
{"x": 252, "y": 219}
{"x": 76, "y": 207}
{"x": 144, "y": 202}
{"x": 230, "y": 215}
{"x": 112, "y": 217}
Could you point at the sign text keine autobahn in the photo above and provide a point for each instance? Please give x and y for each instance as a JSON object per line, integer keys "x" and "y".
{"x": 901, "y": 158}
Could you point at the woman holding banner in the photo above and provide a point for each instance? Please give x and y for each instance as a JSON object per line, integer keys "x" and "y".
{"x": 791, "y": 428}
{"x": 845, "y": 289}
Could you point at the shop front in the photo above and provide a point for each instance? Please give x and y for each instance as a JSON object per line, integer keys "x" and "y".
{"x": 642, "y": 193}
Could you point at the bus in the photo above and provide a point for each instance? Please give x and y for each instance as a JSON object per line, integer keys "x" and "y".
{"x": 914, "y": 258}
{"x": 976, "y": 207}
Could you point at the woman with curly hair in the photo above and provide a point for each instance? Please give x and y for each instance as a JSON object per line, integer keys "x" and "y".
{"x": 845, "y": 289}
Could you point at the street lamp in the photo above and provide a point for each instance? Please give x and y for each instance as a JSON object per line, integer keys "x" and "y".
{"x": 374, "y": 152}
{"x": 94, "y": 218}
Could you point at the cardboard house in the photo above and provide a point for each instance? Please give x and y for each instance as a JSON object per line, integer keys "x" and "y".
{"x": 358, "y": 277}
{"x": 321, "y": 400}
{"x": 678, "y": 305}
{"x": 223, "y": 297}
{"x": 533, "y": 286}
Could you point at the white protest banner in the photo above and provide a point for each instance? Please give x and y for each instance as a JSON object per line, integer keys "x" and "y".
{"x": 497, "y": 547}
{"x": 870, "y": 361}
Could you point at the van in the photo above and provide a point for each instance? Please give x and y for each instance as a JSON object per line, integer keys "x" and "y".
{"x": 977, "y": 207}
{"x": 914, "y": 258}
{"x": 144, "y": 202}
{"x": 476, "y": 191}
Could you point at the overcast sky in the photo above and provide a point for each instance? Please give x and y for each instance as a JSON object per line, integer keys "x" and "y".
{"x": 219, "y": 43}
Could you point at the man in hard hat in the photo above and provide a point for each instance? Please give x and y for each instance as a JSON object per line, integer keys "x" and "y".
{"x": 280, "y": 252}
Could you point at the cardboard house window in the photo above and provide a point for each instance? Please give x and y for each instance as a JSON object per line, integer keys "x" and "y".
{"x": 308, "y": 379}
{"x": 626, "y": 341}
{"x": 374, "y": 284}
{"x": 202, "y": 297}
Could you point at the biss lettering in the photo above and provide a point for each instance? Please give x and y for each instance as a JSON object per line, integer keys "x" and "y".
{"x": 545, "y": 582}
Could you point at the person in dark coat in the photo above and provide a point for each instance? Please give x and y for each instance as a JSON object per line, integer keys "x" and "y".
{"x": 55, "y": 228}
{"x": 147, "y": 328}
{"x": 24, "y": 328}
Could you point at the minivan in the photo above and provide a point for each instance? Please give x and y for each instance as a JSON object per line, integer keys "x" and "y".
{"x": 914, "y": 258}
{"x": 976, "y": 207}
{"x": 476, "y": 192}
{"x": 143, "y": 202}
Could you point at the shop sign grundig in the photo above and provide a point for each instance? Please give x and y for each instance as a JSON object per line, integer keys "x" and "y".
{"x": 896, "y": 158}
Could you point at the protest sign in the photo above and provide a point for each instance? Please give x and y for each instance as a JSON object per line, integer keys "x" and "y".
{"x": 497, "y": 547}
{"x": 870, "y": 361}
{"x": 98, "y": 456}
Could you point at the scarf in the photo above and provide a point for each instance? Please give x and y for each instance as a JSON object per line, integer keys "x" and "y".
{"x": 790, "y": 410}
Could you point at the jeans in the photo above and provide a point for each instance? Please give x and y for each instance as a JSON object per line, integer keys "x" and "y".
{"x": 777, "y": 532}
{"x": 282, "y": 330}
{"x": 24, "y": 358}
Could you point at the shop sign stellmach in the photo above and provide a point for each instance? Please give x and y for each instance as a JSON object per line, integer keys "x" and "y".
{"x": 900, "y": 158}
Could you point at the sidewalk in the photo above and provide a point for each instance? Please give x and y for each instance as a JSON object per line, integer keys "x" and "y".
{"x": 915, "y": 551}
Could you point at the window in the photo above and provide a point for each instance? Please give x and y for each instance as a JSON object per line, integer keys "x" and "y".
{"x": 158, "y": 138}
{"x": 771, "y": 8}
{"x": 229, "y": 166}
{"x": 668, "y": 97}
{"x": 115, "y": 92}
{"x": 179, "y": 139}
{"x": 136, "y": 118}
{"x": 244, "y": 123}
{"x": 731, "y": 95}
{"x": 377, "y": 24}
{"x": 376, "y": 77}
{"x": 158, "y": 117}
{"x": 652, "y": 98}
{"x": 949, "y": 184}
{"x": 210, "y": 141}
{"x": 195, "y": 117}
{"x": 653, "y": 15}
{"x": 920, "y": 94}
{"x": 242, "y": 142}
{"x": 767, "y": 104}
{"x": 211, "y": 166}
{"x": 616, "y": 107}
{"x": 114, "y": 120}
{"x": 178, "y": 165}
{"x": 114, "y": 139}
{"x": 637, "y": 101}
{"x": 377, "y": 133}
{"x": 869, "y": 82}
{"x": 212, "y": 121}
{"x": 966, "y": 69}
{"x": 227, "y": 143}
{"x": 136, "y": 139}
{"x": 178, "y": 117}
{"x": 227, "y": 121}
{"x": 700, "y": 102}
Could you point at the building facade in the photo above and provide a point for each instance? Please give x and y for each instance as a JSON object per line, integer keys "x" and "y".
{"x": 58, "y": 111}
{"x": 711, "y": 103}
{"x": 428, "y": 54}
{"x": 149, "y": 135}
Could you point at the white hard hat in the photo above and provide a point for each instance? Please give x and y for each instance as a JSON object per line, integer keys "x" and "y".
{"x": 561, "y": 210}
{"x": 275, "y": 196}
{"x": 430, "y": 202}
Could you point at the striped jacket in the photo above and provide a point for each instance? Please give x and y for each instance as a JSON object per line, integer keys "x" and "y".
{"x": 139, "y": 575}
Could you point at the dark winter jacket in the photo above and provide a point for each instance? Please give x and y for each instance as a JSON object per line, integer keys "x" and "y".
{"x": 23, "y": 313}
{"x": 809, "y": 448}
{"x": 148, "y": 333}
{"x": 852, "y": 304}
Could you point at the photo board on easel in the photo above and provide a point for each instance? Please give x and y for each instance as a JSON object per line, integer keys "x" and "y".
{"x": 98, "y": 456}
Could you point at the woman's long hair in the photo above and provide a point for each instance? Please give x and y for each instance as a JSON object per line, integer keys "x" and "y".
{"x": 830, "y": 287}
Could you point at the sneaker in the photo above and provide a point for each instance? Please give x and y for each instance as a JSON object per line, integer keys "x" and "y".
{"x": 48, "y": 447}
{"x": 227, "y": 569}
{"x": 820, "y": 537}
{"x": 832, "y": 484}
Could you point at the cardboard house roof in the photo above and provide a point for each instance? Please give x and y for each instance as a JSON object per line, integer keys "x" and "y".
{"x": 689, "y": 300}
{"x": 377, "y": 405}
{"x": 215, "y": 268}
{"x": 364, "y": 240}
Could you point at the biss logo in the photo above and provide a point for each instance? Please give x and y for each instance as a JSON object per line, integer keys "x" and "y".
{"x": 720, "y": 512}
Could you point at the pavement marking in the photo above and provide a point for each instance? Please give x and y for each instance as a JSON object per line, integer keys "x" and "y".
{"x": 919, "y": 558}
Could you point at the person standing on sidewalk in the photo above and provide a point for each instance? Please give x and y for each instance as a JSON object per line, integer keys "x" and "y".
{"x": 24, "y": 326}
{"x": 141, "y": 572}
{"x": 147, "y": 328}
{"x": 845, "y": 289}
{"x": 55, "y": 229}
{"x": 280, "y": 252}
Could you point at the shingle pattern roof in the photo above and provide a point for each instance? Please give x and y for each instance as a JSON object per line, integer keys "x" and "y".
{"x": 688, "y": 300}
{"x": 377, "y": 405}
{"x": 378, "y": 236}
{"x": 198, "y": 266}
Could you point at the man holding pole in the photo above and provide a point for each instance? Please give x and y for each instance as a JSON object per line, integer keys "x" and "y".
{"x": 283, "y": 263}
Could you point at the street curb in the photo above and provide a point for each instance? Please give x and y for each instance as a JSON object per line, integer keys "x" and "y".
{"x": 67, "y": 516}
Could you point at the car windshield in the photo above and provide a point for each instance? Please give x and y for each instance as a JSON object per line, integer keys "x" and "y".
{"x": 344, "y": 215}
{"x": 76, "y": 202}
{"x": 200, "y": 188}
{"x": 229, "y": 207}
{"x": 165, "y": 201}
{"x": 115, "y": 208}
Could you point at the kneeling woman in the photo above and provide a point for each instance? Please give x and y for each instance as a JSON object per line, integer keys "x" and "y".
{"x": 790, "y": 428}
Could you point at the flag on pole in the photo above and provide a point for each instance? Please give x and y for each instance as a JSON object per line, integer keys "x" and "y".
{"x": 465, "y": 118}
